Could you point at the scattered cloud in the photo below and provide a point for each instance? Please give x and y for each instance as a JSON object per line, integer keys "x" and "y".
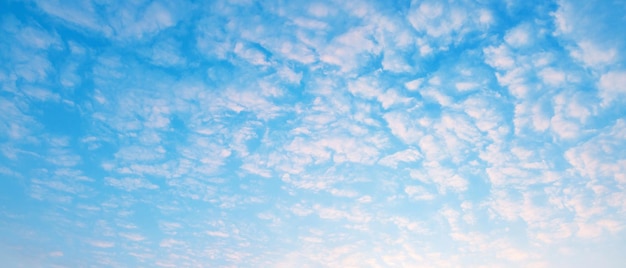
{"x": 332, "y": 133}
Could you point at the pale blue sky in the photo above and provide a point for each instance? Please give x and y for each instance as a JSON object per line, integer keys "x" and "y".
{"x": 312, "y": 133}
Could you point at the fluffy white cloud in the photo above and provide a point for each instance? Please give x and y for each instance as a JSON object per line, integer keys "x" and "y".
{"x": 408, "y": 155}
{"x": 612, "y": 86}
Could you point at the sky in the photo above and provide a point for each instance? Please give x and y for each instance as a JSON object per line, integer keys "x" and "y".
{"x": 242, "y": 133}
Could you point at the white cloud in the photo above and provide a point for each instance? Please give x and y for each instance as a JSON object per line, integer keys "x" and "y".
{"x": 485, "y": 17}
{"x": 32, "y": 67}
{"x": 137, "y": 153}
{"x": 130, "y": 184}
{"x": 40, "y": 94}
{"x": 251, "y": 54}
{"x": 319, "y": 10}
{"x": 127, "y": 20}
{"x": 593, "y": 55}
{"x": 535, "y": 115}
{"x": 153, "y": 19}
{"x": 552, "y": 77}
{"x": 446, "y": 22}
{"x": 300, "y": 210}
{"x": 418, "y": 193}
{"x": 239, "y": 100}
{"x": 344, "y": 193}
{"x": 365, "y": 199}
{"x": 56, "y": 254}
{"x": 217, "y": 234}
{"x": 444, "y": 178}
{"x": 297, "y": 52}
{"x": 519, "y": 36}
{"x": 598, "y": 158}
{"x": 82, "y": 14}
{"x": 588, "y": 230}
{"x": 391, "y": 98}
{"x": 595, "y": 43}
{"x": 466, "y": 86}
{"x": 395, "y": 63}
{"x": 290, "y": 75}
{"x": 564, "y": 128}
{"x": 309, "y": 150}
{"x": 612, "y": 86}
{"x": 346, "y": 50}
{"x": 254, "y": 168}
{"x": 132, "y": 237}
{"x": 350, "y": 150}
{"x": 332, "y": 213}
{"x": 169, "y": 243}
{"x": 499, "y": 57}
{"x": 37, "y": 38}
{"x": 414, "y": 85}
{"x": 402, "y": 127}
{"x": 422, "y": 18}
{"x": 486, "y": 117}
{"x": 431, "y": 147}
{"x": 366, "y": 87}
{"x": 310, "y": 23}
{"x": 513, "y": 254}
{"x": 437, "y": 95}
{"x": 408, "y": 155}
{"x": 102, "y": 244}
{"x": 167, "y": 53}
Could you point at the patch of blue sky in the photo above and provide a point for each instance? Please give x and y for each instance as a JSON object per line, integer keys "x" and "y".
{"x": 321, "y": 134}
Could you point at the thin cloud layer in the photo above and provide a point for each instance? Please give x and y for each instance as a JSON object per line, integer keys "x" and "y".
{"x": 323, "y": 134}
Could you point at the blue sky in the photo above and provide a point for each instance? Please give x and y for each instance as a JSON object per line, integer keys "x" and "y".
{"x": 312, "y": 133}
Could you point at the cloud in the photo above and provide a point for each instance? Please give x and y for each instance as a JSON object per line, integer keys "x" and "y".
{"x": 519, "y": 36}
{"x": 132, "y": 237}
{"x": 130, "y": 184}
{"x": 395, "y": 63}
{"x": 217, "y": 234}
{"x": 348, "y": 149}
{"x": 167, "y": 53}
{"x": 56, "y": 254}
{"x": 102, "y": 244}
{"x": 611, "y": 86}
{"x": 446, "y": 23}
{"x": 168, "y": 243}
{"x": 402, "y": 127}
{"x": 594, "y": 44}
{"x": 136, "y": 153}
{"x": 16, "y": 125}
{"x": 444, "y": 178}
{"x": 418, "y": 193}
{"x": 250, "y": 54}
{"x": 297, "y": 52}
{"x": 348, "y": 49}
{"x": 552, "y": 77}
{"x": 83, "y": 14}
{"x": 254, "y": 167}
{"x": 119, "y": 22}
{"x": 592, "y": 55}
{"x": 331, "y": 213}
{"x": 256, "y": 102}
{"x": 594, "y": 159}
{"x": 243, "y": 133}
{"x": 414, "y": 84}
{"x": 408, "y": 155}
